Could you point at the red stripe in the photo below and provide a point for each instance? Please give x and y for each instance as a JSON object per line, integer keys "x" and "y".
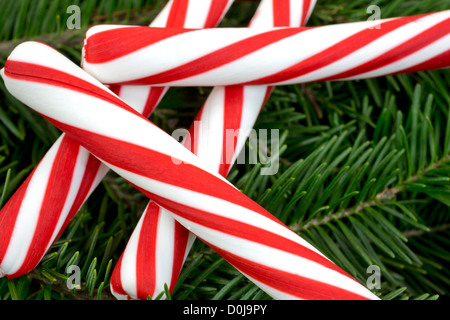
{"x": 336, "y": 52}
{"x": 115, "y": 89}
{"x": 90, "y": 172}
{"x": 269, "y": 91}
{"x": 438, "y": 62}
{"x": 305, "y": 11}
{"x": 177, "y": 14}
{"x": 37, "y": 73}
{"x": 216, "y": 10}
{"x": 194, "y": 133}
{"x": 112, "y": 44}
{"x": 146, "y": 255}
{"x": 154, "y": 96}
{"x": 289, "y": 283}
{"x": 233, "y": 104}
{"x": 281, "y": 13}
{"x": 217, "y": 58}
{"x": 402, "y": 51}
{"x": 8, "y": 216}
{"x": 52, "y": 204}
{"x": 181, "y": 236}
{"x": 116, "y": 281}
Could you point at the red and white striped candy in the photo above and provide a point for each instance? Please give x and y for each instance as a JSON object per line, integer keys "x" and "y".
{"x": 246, "y": 235}
{"x": 40, "y": 210}
{"x": 175, "y": 14}
{"x": 151, "y": 257}
{"x": 159, "y": 245}
{"x": 230, "y": 56}
{"x": 44, "y": 204}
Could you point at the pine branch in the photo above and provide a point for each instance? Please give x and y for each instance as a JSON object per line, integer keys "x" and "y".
{"x": 386, "y": 195}
{"x": 418, "y": 233}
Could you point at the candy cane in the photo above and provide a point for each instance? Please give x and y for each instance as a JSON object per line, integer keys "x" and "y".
{"x": 230, "y": 56}
{"x": 245, "y": 234}
{"x": 40, "y": 210}
{"x": 159, "y": 245}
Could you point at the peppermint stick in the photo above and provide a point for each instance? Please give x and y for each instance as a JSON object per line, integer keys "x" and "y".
{"x": 159, "y": 245}
{"x": 254, "y": 56}
{"x": 251, "y": 239}
{"x": 40, "y": 210}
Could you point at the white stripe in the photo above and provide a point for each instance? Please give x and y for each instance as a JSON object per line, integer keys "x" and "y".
{"x": 197, "y": 13}
{"x": 312, "y": 5}
{"x": 164, "y": 253}
{"x": 210, "y": 130}
{"x": 75, "y": 183}
{"x": 263, "y": 17}
{"x": 135, "y": 96}
{"x": 160, "y": 21}
{"x": 295, "y": 12}
{"x": 128, "y": 266}
{"x": 253, "y": 101}
{"x": 101, "y": 173}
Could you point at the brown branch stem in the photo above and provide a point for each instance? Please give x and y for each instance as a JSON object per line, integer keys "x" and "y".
{"x": 387, "y": 194}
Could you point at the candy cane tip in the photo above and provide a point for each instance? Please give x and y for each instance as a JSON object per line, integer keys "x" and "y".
{"x": 119, "y": 296}
{"x": 24, "y": 49}
{"x": 22, "y": 52}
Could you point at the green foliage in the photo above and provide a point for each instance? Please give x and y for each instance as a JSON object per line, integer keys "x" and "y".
{"x": 363, "y": 167}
